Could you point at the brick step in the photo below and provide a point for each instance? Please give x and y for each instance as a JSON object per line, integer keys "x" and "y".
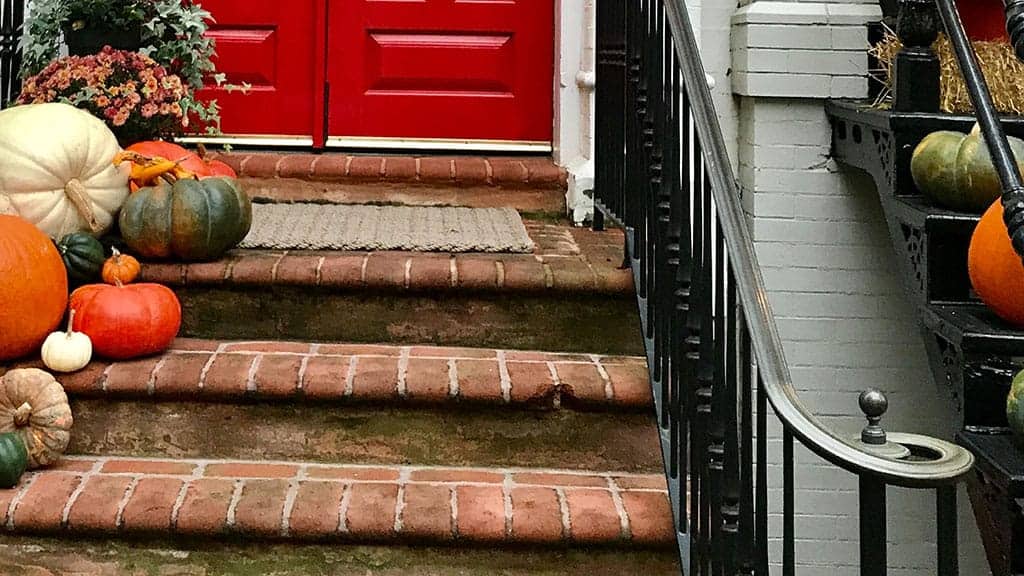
{"x": 54, "y": 556}
{"x": 299, "y": 502}
{"x": 564, "y": 297}
{"x": 504, "y": 172}
{"x": 207, "y": 371}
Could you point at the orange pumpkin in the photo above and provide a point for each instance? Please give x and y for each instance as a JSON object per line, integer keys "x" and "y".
{"x": 127, "y": 321}
{"x": 120, "y": 268}
{"x": 159, "y": 149}
{"x": 34, "y": 289}
{"x": 995, "y": 268}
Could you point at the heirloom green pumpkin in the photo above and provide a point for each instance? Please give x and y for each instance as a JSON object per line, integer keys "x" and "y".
{"x": 13, "y": 459}
{"x": 1015, "y": 406}
{"x": 83, "y": 257}
{"x": 192, "y": 220}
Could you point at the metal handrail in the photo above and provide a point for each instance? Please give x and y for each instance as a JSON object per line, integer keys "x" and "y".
{"x": 950, "y": 462}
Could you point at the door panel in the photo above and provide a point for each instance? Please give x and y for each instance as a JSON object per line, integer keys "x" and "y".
{"x": 270, "y": 45}
{"x": 441, "y": 69}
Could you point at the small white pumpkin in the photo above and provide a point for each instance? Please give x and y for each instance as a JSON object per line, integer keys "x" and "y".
{"x": 68, "y": 351}
{"x": 56, "y": 169}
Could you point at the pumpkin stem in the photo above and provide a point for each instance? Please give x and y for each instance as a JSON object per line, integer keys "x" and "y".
{"x": 71, "y": 323}
{"x": 22, "y": 415}
{"x": 75, "y": 192}
{"x": 116, "y": 255}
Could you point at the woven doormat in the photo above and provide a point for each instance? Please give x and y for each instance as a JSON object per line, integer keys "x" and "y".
{"x": 412, "y": 228}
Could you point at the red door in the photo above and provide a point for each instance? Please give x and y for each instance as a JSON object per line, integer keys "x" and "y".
{"x": 270, "y": 45}
{"x": 441, "y": 69}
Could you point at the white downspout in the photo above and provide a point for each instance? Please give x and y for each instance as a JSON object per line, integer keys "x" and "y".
{"x": 579, "y": 196}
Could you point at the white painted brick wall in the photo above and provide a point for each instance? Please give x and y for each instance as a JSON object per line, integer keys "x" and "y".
{"x": 833, "y": 281}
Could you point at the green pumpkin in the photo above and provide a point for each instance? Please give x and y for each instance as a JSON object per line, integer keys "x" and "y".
{"x": 192, "y": 220}
{"x": 1015, "y": 406}
{"x": 83, "y": 257}
{"x": 955, "y": 171}
{"x": 13, "y": 459}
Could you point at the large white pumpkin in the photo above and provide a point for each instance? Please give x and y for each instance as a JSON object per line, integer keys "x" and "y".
{"x": 56, "y": 169}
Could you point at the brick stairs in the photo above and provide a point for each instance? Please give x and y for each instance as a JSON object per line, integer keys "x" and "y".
{"x": 369, "y": 413}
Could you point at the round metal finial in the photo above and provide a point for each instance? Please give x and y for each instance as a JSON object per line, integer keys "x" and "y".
{"x": 874, "y": 405}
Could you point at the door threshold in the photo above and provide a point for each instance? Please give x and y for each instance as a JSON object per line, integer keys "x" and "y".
{"x": 255, "y": 140}
{"x": 439, "y": 144}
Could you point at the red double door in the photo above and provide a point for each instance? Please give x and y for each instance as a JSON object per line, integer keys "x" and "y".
{"x": 386, "y": 72}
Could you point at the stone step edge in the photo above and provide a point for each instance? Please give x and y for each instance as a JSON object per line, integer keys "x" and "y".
{"x": 307, "y": 501}
{"x": 412, "y": 272}
{"x": 511, "y": 172}
{"x": 209, "y": 370}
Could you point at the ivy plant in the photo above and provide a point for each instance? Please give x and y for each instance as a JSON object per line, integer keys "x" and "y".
{"x": 173, "y": 34}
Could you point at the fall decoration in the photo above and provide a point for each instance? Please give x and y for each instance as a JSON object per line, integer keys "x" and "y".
{"x": 190, "y": 219}
{"x": 121, "y": 268}
{"x": 995, "y": 267}
{"x": 33, "y": 294}
{"x": 55, "y": 169}
{"x": 83, "y": 257}
{"x": 67, "y": 351}
{"x": 999, "y": 64}
{"x": 136, "y": 97}
{"x": 34, "y": 405}
{"x": 13, "y": 459}
{"x": 1015, "y": 406}
{"x": 127, "y": 321}
{"x": 159, "y": 150}
{"x": 955, "y": 170}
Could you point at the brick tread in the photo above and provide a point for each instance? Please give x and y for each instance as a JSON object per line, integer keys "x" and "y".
{"x": 507, "y": 172}
{"x": 566, "y": 260}
{"x": 309, "y": 501}
{"x": 194, "y": 369}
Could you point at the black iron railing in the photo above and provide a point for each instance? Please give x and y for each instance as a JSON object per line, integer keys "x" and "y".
{"x": 12, "y": 15}
{"x": 715, "y": 357}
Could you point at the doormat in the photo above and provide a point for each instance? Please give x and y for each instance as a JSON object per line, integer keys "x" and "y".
{"x": 411, "y": 228}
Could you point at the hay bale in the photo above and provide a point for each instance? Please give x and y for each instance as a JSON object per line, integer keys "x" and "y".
{"x": 1003, "y": 72}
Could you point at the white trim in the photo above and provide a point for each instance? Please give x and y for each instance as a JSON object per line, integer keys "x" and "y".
{"x": 253, "y": 140}
{"x": 438, "y": 144}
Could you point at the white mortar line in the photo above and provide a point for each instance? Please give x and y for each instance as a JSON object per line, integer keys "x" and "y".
{"x": 453, "y": 378}
{"x": 563, "y": 506}
{"x": 250, "y": 381}
{"x": 119, "y": 518}
{"x": 454, "y": 269}
{"x": 501, "y": 273}
{"x": 506, "y": 380}
{"x": 350, "y": 377}
{"x": 455, "y": 511}
{"x": 362, "y": 270}
{"x": 609, "y": 392}
{"x": 236, "y": 496}
{"x": 273, "y": 270}
{"x": 13, "y": 506}
{"x": 289, "y": 500}
{"x": 151, "y": 383}
{"x": 319, "y": 269}
{"x": 82, "y": 481}
{"x": 403, "y": 371}
{"x": 403, "y": 479}
{"x": 105, "y": 375}
{"x": 197, "y": 473}
{"x": 346, "y": 501}
{"x": 408, "y": 273}
{"x": 304, "y": 364}
{"x": 506, "y": 496}
{"x": 556, "y": 400}
{"x": 209, "y": 363}
{"x": 620, "y": 508}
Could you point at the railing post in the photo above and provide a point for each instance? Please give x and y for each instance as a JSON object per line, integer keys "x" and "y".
{"x": 916, "y": 72}
{"x": 872, "y": 526}
{"x": 947, "y": 537}
{"x": 610, "y": 94}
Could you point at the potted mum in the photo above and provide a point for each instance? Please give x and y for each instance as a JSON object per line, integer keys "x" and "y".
{"x": 89, "y": 25}
{"x": 135, "y": 96}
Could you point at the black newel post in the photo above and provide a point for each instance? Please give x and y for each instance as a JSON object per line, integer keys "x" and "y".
{"x": 609, "y": 135}
{"x": 916, "y": 70}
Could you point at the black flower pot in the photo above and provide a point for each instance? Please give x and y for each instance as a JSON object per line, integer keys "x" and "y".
{"x": 88, "y": 41}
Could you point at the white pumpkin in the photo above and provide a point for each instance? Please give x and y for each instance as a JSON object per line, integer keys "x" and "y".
{"x": 68, "y": 351}
{"x": 56, "y": 169}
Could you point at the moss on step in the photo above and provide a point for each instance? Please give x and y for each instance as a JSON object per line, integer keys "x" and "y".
{"x": 556, "y": 323}
{"x": 44, "y": 557}
{"x": 475, "y": 436}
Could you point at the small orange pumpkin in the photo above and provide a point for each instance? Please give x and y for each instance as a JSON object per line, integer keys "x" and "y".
{"x": 120, "y": 268}
{"x": 995, "y": 268}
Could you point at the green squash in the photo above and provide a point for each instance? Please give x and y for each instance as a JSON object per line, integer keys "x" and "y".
{"x": 191, "y": 220}
{"x": 13, "y": 459}
{"x": 977, "y": 182}
{"x": 932, "y": 165}
{"x": 83, "y": 257}
{"x": 1015, "y": 406}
